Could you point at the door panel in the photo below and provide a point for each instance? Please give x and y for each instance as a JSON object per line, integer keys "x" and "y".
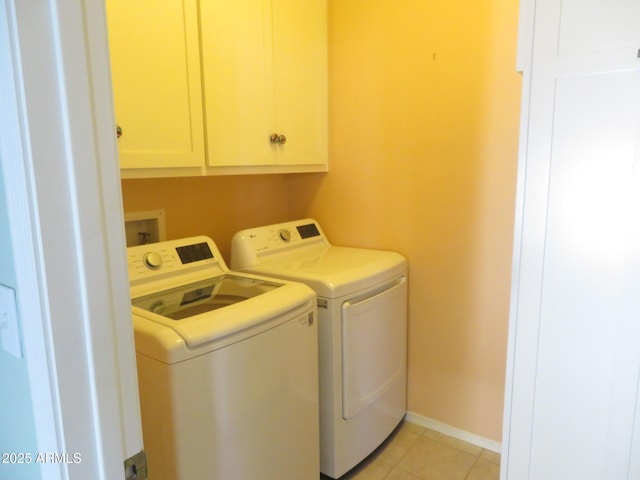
{"x": 373, "y": 346}
{"x": 588, "y": 344}
{"x": 572, "y": 383}
{"x": 590, "y": 26}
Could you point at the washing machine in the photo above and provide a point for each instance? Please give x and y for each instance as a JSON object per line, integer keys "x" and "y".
{"x": 227, "y": 367}
{"x": 362, "y": 314}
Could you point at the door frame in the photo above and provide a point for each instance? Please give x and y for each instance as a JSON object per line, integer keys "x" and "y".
{"x": 58, "y": 155}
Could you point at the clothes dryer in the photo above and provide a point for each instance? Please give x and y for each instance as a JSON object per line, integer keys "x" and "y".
{"x": 227, "y": 367}
{"x": 362, "y": 312}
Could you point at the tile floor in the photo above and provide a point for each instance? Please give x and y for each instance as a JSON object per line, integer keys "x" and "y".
{"x": 417, "y": 453}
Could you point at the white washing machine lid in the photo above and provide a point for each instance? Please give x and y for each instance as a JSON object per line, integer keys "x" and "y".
{"x": 334, "y": 271}
{"x": 185, "y": 301}
{"x": 192, "y": 319}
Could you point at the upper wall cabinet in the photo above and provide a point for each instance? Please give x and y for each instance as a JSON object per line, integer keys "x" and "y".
{"x": 155, "y": 60}
{"x": 265, "y": 83}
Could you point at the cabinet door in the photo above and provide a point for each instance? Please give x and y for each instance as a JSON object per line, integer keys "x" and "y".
{"x": 265, "y": 73}
{"x": 300, "y": 65}
{"x": 238, "y": 71}
{"x": 156, "y": 82}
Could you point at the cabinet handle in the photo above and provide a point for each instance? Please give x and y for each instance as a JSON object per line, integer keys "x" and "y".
{"x": 275, "y": 138}
{"x": 118, "y": 131}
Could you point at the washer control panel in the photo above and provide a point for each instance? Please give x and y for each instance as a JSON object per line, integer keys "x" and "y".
{"x": 156, "y": 259}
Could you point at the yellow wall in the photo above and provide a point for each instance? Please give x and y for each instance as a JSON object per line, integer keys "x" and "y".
{"x": 424, "y": 105}
{"x": 213, "y": 206}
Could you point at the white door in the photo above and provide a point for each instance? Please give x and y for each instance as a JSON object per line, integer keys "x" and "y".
{"x": 574, "y": 361}
{"x": 58, "y": 156}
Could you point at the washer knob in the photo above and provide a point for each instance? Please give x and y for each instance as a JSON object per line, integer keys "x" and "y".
{"x": 152, "y": 260}
{"x": 285, "y": 235}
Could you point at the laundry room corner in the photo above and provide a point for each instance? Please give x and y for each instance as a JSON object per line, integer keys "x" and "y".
{"x": 424, "y": 114}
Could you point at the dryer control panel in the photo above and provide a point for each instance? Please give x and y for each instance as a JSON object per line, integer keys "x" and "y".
{"x": 298, "y": 232}
{"x": 248, "y": 245}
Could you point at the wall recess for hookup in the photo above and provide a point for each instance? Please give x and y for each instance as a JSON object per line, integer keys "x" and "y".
{"x": 144, "y": 227}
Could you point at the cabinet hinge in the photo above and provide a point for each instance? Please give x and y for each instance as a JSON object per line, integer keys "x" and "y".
{"x": 136, "y": 467}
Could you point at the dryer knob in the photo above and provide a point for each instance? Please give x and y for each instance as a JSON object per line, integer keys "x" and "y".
{"x": 153, "y": 260}
{"x": 285, "y": 235}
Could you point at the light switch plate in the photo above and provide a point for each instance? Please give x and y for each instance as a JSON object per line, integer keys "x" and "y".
{"x": 9, "y": 330}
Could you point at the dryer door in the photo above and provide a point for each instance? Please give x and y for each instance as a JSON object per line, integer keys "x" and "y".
{"x": 374, "y": 346}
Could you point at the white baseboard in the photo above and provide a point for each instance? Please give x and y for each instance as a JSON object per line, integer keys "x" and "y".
{"x": 454, "y": 432}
